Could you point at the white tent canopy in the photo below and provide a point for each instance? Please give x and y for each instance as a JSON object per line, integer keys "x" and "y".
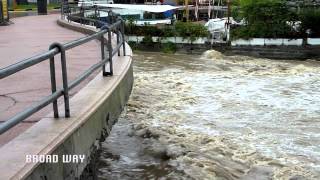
{"x": 148, "y": 8}
{"x": 219, "y": 24}
{"x": 216, "y": 24}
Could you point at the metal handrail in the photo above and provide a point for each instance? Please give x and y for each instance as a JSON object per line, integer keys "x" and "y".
{"x": 56, "y": 48}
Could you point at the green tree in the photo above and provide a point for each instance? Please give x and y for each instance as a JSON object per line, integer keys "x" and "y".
{"x": 310, "y": 19}
{"x": 264, "y": 19}
{"x": 190, "y": 31}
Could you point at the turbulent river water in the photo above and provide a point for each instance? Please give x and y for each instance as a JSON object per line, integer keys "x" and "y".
{"x": 212, "y": 116}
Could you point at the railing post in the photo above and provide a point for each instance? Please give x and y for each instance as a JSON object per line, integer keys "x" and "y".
{"x": 103, "y": 54}
{"x": 123, "y": 37}
{"x": 118, "y": 39}
{"x": 110, "y": 17}
{"x": 53, "y": 83}
{"x": 81, "y": 15}
{"x": 65, "y": 82}
{"x": 64, "y": 78}
{"x": 95, "y": 16}
{"x": 110, "y": 50}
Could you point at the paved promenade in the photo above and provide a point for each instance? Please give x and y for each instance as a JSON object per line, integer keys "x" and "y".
{"x": 29, "y": 36}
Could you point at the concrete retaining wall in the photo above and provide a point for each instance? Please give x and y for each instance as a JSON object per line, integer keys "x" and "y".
{"x": 86, "y": 138}
{"x": 267, "y": 42}
{"x": 274, "y": 42}
{"x": 313, "y": 41}
{"x": 276, "y": 52}
{"x": 94, "y": 110}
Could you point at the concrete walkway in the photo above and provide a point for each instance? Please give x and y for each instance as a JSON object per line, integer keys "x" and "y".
{"x": 26, "y": 37}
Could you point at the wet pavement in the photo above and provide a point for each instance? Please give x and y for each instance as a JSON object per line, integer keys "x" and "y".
{"x": 212, "y": 116}
{"x": 26, "y": 37}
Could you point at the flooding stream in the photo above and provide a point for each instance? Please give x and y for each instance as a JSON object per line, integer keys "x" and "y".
{"x": 212, "y": 116}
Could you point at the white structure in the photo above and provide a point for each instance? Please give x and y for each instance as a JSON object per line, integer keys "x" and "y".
{"x": 146, "y": 8}
{"x": 35, "y": 1}
{"x": 133, "y": 9}
{"x": 218, "y": 28}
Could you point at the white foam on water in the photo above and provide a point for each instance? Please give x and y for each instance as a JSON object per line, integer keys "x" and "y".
{"x": 235, "y": 115}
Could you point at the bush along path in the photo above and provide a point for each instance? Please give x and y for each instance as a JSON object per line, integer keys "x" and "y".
{"x": 188, "y": 31}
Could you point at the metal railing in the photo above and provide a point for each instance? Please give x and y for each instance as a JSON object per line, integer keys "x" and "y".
{"x": 116, "y": 25}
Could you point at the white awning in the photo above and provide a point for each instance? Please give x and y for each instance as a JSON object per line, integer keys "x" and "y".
{"x": 216, "y": 24}
{"x": 148, "y": 8}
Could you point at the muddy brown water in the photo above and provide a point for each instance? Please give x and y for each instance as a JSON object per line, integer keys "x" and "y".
{"x": 212, "y": 116}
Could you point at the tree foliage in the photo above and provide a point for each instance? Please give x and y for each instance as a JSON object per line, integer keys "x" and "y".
{"x": 264, "y": 19}
{"x": 191, "y": 31}
{"x": 186, "y": 30}
{"x": 310, "y": 19}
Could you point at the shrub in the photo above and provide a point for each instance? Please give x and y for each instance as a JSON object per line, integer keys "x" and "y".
{"x": 169, "y": 47}
{"x": 147, "y": 40}
{"x": 191, "y": 31}
{"x": 151, "y": 31}
{"x": 168, "y": 31}
{"x": 132, "y": 29}
{"x": 186, "y": 30}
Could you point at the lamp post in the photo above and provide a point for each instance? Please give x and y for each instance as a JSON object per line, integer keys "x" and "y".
{"x": 229, "y": 11}
{"x": 42, "y": 7}
{"x": 4, "y": 12}
{"x": 228, "y": 21}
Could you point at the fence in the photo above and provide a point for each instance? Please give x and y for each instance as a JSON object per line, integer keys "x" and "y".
{"x": 115, "y": 25}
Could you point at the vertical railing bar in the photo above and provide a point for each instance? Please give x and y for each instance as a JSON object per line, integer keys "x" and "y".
{"x": 110, "y": 51}
{"x": 53, "y": 83}
{"x": 118, "y": 39}
{"x": 95, "y": 16}
{"x": 65, "y": 82}
{"x": 102, "y": 54}
{"x": 123, "y": 38}
{"x": 81, "y": 13}
{"x": 64, "y": 78}
{"x": 53, "y": 87}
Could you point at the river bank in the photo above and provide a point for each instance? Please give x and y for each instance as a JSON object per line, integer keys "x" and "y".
{"x": 272, "y": 52}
